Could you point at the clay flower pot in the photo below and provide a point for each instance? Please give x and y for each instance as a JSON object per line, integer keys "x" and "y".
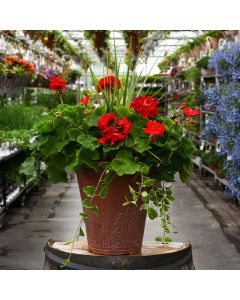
{"x": 118, "y": 229}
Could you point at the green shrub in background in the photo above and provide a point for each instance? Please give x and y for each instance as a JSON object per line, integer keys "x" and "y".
{"x": 49, "y": 100}
{"x": 16, "y": 138}
{"x": 18, "y": 116}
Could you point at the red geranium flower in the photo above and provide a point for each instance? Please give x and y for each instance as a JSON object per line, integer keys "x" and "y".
{"x": 106, "y": 120}
{"x": 57, "y": 84}
{"x": 113, "y": 129}
{"x": 183, "y": 106}
{"x": 145, "y": 106}
{"x": 155, "y": 129}
{"x": 108, "y": 83}
{"x": 188, "y": 112}
{"x": 85, "y": 100}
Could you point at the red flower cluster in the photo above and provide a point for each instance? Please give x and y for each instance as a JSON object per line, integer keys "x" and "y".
{"x": 113, "y": 129}
{"x": 57, "y": 84}
{"x": 188, "y": 112}
{"x": 108, "y": 83}
{"x": 145, "y": 106}
{"x": 13, "y": 60}
{"x": 85, "y": 100}
{"x": 155, "y": 129}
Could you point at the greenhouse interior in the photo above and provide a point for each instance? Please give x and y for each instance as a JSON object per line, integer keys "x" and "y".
{"x": 119, "y": 149}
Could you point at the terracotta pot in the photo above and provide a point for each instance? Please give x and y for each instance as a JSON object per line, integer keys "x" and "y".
{"x": 118, "y": 229}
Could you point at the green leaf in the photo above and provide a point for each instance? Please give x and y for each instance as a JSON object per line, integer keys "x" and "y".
{"x": 84, "y": 157}
{"x": 84, "y": 216}
{"x": 152, "y": 213}
{"x": 144, "y": 169}
{"x": 185, "y": 170}
{"x": 88, "y": 141}
{"x": 87, "y": 204}
{"x": 149, "y": 182}
{"x": 144, "y": 206}
{"x": 73, "y": 134}
{"x": 141, "y": 144}
{"x": 172, "y": 145}
{"x": 124, "y": 163}
{"x": 95, "y": 116}
{"x": 107, "y": 148}
{"x": 167, "y": 239}
{"x": 56, "y": 175}
{"x": 81, "y": 232}
{"x": 144, "y": 194}
{"x": 89, "y": 190}
{"x": 95, "y": 210}
{"x": 103, "y": 192}
{"x": 130, "y": 141}
{"x": 66, "y": 262}
{"x": 28, "y": 167}
{"x": 44, "y": 126}
{"x": 132, "y": 190}
{"x": 123, "y": 111}
{"x": 158, "y": 239}
{"x": 39, "y": 141}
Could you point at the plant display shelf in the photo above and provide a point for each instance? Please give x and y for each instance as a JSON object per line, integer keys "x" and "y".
{"x": 18, "y": 193}
{"x": 154, "y": 255}
{"x": 208, "y": 142}
{"x": 206, "y": 170}
{"x": 209, "y": 112}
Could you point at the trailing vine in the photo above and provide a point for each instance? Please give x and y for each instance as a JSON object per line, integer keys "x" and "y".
{"x": 100, "y": 43}
{"x": 188, "y": 48}
{"x": 134, "y": 40}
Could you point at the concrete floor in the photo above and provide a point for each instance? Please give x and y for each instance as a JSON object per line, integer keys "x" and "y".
{"x": 54, "y": 214}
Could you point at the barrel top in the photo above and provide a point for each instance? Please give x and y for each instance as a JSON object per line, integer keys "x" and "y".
{"x": 149, "y": 248}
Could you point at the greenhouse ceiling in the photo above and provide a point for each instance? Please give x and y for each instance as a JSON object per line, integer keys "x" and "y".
{"x": 155, "y": 45}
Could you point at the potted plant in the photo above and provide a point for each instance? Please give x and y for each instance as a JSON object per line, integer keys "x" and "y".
{"x": 125, "y": 153}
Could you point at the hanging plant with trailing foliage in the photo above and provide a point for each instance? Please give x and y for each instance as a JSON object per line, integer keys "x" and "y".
{"x": 100, "y": 43}
{"x": 53, "y": 40}
{"x": 134, "y": 40}
{"x": 188, "y": 48}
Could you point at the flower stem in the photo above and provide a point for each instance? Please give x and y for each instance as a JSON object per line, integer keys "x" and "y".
{"x": 61, "y": 99}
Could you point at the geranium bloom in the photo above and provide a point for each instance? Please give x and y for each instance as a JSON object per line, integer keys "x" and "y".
{"x": 85, "y": 100}
{"x": 145, "y": 106}
{"x": 108, "y": 83}
{"x": 155, "y": 129}
{"x": 188, "y": 112}
{"x": 113, "y": 129}
{"x": 183, "y": 106}
{"x": 57, "y": 84}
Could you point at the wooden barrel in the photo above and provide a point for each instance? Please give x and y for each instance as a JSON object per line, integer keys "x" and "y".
{"x": 154, "y": 255}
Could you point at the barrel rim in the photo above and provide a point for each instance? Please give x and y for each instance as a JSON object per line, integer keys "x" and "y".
{"x": 83, "y": 261}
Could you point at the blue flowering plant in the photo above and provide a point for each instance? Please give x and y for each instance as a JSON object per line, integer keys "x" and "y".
{"x": 225, "y": 123}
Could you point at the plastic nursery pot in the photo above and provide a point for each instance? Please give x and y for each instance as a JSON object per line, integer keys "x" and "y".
{"x": 118, "y": 229}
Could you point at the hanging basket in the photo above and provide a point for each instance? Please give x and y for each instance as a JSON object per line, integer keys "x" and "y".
{"x": 13, "y": 85}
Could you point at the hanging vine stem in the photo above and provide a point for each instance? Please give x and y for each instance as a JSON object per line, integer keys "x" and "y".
{"x": 79, "y": 231}
{"x": 155, "y": 156}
